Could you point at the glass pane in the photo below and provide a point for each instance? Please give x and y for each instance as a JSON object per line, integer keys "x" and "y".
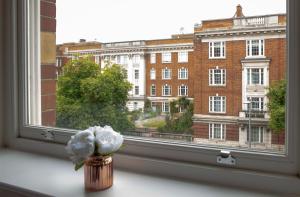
{"x": 97, "y": 68}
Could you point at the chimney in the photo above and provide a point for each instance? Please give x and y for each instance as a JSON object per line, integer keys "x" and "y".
{"x": 239, "y": 11}
{"x": 82, "y": 40}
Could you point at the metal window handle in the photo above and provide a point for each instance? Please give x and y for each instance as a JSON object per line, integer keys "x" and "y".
{"x": 226, "y": 158}
{"x": 48, "y": 135}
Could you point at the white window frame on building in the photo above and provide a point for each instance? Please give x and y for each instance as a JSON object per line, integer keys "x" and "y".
{"x": 135, "y": 105}
{"x": 136, "y": 90}
{"x": 166, "y": 57}
{"x": 97, "y": 59}
{"x": 152, "y": 58}
{"x": 182, "y": 73}
{"x": 166, "y": 90}
{"x": 183, "y": 90}
{"x": 217, "y": 131}
{"x": 217, "y": 77}
{"x": 183, "y": 56}
{"x": 255, "y": 48}
{"x": 257, "y": 103}
{"x": 257, "y": 134}
{"x": 153, "y": 90}
{"x": 136, "y": 59}
{"x": 217, "y": 49}
{"x": 136, "y": 73}
{"x": 259, "y": 79}
{"x": 166, "y": 73}
{"x": 152, "y": 74}
{"x": 217, "y": 104}
{"x": 165, "y": 107}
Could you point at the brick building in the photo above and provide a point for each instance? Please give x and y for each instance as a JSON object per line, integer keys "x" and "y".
{"x": 225, "y": 66}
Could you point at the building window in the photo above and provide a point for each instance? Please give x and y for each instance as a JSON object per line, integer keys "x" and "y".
{"x": 166, "y": 73}
{"x": 183, "y": 90}
{"x": 216, "y": 49}
{"x": 183, "y": 73}
{"x": 136, "y": 90}
{"x": 217, "y": 76}
{"x": 153, "y": 90}
{"x": 152, "y": 58}
{"x": 255, "y": 48}
{"x": 166, "y": 90}
{"x": 153, "y": 106}
{"x": 152, "y": 74}
{"x": 122, "y": 59}
{"x": 135, "y": 106}
{"x": 257, "y": 103}
{"x": 255, "y": 76}
{"x": 97, "y": 59}
{"x": 136, "y": 74}
{"x": 166, "y": 57}
{"x": 136, "y": 59}
{"x": 256, "y": 134}
{"x": 217, "y": 131}
{"x": 217, "y": 104}
{"x": 126, "y": 73}
{"x": 166, "y": 107}
{"x": 183, "y": 56}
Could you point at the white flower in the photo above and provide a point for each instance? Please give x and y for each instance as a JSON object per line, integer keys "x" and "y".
{"x": 81, "y": 146}
{"x": 108, "y": 140}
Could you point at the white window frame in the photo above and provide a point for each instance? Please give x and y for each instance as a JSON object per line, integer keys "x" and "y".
{"x": 136, "y": 74}
{"x": 153, "y": 87}
{"x": 49, "y": 140}
{"x": 136, "y": 59}
{"x": 261, "y": 48}
{"x": 164, "y": 90}
{"x": 185, "y": 87}
{"x": 152, "y": 74}
{"x": 261, "y": 103}
{"x": 261, "y": 133}
{"x": 164, "y": 73}
{"x": 183, "y": 73}
{"x": 211, "y": 50}
{"x": 213, "y": 101}
{"x": 166, "y": 57}
{"x": 152, "y": 58}
{"x": 212, "y": 131}
{"x": 183, "y": 56}
{"x": 212, "y": 77}
{"x": 164, "y": 104}
{"x": 261, "y": 77}
{"x": 136, "y": 90}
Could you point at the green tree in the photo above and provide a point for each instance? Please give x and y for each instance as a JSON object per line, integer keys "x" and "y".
{"x": 87, "y": 96}
{"x": 276, "y": 106}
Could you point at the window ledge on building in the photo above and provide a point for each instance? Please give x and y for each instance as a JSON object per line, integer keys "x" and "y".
{"x": 28, "y": 174}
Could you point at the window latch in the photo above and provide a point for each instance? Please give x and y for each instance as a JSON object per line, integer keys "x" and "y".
{"x": 226, "y": 158}
{"x": 48, "y": 135}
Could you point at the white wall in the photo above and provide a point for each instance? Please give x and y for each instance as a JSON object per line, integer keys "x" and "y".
{"x": 1, "y": 70}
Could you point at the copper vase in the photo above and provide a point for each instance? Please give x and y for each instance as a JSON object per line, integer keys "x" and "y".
{"x": 98, "y": 173}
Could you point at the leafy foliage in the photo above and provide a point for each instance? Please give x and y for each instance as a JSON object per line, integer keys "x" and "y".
{"x": 179, "y": 122}
{"x": 88, "y": 96}
{"x": 276, "y": 105}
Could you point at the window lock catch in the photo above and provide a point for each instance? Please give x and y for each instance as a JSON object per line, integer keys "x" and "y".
{"x": 226, "y": 158}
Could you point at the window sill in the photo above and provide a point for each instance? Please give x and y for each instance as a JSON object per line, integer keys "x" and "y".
{"x": 22, "y": 173}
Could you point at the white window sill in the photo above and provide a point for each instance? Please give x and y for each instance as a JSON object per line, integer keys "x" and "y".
{"x": 37, "y": 175}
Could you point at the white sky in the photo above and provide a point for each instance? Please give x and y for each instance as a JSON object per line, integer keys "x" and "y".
{"x": 122, "y": 20}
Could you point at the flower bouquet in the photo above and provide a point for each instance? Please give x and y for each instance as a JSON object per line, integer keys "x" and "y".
{"x": 93, "y": 149}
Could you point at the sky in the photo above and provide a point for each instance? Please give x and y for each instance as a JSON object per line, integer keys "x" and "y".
{"x": 124, "y": 20}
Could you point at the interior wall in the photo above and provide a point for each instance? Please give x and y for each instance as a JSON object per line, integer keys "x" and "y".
{"x": 1, "y": 70}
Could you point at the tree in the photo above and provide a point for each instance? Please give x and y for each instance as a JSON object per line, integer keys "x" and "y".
{"x": 276, "y": 106}
{"x": 87, "y": 96}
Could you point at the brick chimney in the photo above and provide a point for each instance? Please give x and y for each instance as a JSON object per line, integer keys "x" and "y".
{"x": 239, "y": 11}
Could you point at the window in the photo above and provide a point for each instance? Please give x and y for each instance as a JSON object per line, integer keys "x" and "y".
{"x": 255, "y": 76}
{"x": 136, "y": 74}
{"x": 217, "y": 131}
{"x": 217, "y": 50}
{"x": 136, "y": 90}
{"x": 152, "y": 74}
{"x": 165, "y": 107}
{"x": 166, "y": 57}
{"x": 217, "y": 104}
{"x": 97, "y": 59}
{"x": 166, "y": 73}
{"x": 135, "y": 105}
{"x": 183, "y": 73}
{"x": 182, "y": 90}
{"x": 136, "y": 59}
{"x": 255, "y": 48}
{"x": 152, "y": 58}
{"x": 153, "y": 90}
{"x": 217, "y": 77}
{"x": 257, "y": 134}
{"x": 183, "y": 56}
{"x": 257, "y": 103}
{"x": 166, "y": 90}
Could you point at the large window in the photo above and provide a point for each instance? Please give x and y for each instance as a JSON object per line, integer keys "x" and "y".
{"x": 183, "y": 73}
{"x": 257, "y": 103}
{"x": 152, "y": 74}
{"x": 217, "y": 104}
{"x": 217, "y": 77}
{"x": 183, "y": 90}
{"x": 153, "y": 90}
{"x": 166, "y": 90}
{"x": 166, "y": 57}
{"x": 166, "y": 73}
{"x": 136, "y": 59}
{"x": 153, "y": 58}
{"x": 255, "y": 76}
{"x": 256, "y": 134}
{"x": 183, "y": 56}
{"x": 165, "y": 107}
{"x": 217, "y": 50}
{"x": 217, "y": 131}
{"x": 255, "y": 48}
